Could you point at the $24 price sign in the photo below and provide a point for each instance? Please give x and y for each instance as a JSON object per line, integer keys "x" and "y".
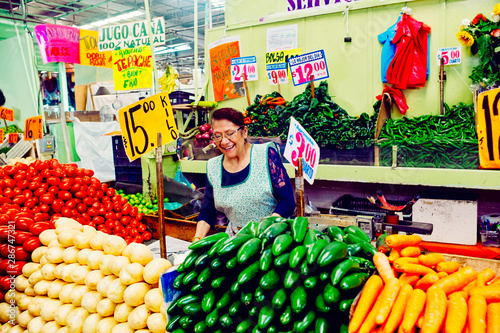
{"x": 276, "y": 73}
{"x": 33, "y": 129}
{"x": 244, "y": 66}
{"x": 141, "y": 121}
{"x": 450, "y": 56}
{"x": 300, "y": 144}
{"x": 305, "y": 65}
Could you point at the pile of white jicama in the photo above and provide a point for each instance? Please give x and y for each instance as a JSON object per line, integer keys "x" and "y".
{"x": 83, "y": 280}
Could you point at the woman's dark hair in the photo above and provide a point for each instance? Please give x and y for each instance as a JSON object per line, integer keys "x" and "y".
{"x": 2, "y": 98}
{"x": 233, "y": 115}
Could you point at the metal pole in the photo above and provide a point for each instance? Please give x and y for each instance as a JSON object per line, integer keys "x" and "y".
{"x": 159, "y": 177}
{"x": 299, "y": 188}
{"x": 154, "y": 89}
{"x": 63, "y": 106}
{"x": 195, "y": 73}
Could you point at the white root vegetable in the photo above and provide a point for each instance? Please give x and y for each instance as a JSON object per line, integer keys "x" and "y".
{"x": 54, "y": 255}
{"x": 131, "y": 273}
{"x": 66, "y": 271}
{"x": 79, "y": 274}
{"x": 77, "y": 294}
{"x": 93, "y": 278}
{"x": 35, "y": 277}
{"x": 64, "y": 222}
{"x": 18, "y": 329}
{"x": 138, "y": 318}
{"x": 70, "y": 255}
{"x": 62, "y": 313}
{"x": 24, "y": 318}
{"x": 106, "y": 325}
{"x": 122, "y": 328}
{"x": 97, "y": 240}
{"x": 90, "y": 301}
{"x": 153, "y": 299}
{"x": 122, "y": 311}
{"x": 42, "y": 287}
{"x": 93, "y": 259}
{"x": 138, "y": 253}
{"x": 4, "y": 312}
{"x": 89, "y": 229}
{"x": 65, "y": 237}
{"x": 105, "y": 263}
{"x": 154, "y": 269}
{"x": 35, "y": 325}
{"x": 50, "y": 327}
{"x": 82, "y": 256}
{"x": 55, "y": 288}
{"x": 29, "y": 291}
{"x": 90, "y": 324}
{"x": 163, "y": 309}
{"x": 103, "y": 285}
{"x": 43, "y": 260}
{"x": 157, "y": 323}
{"x": 47, "y": 236}
{"x": 23, "y": 303}
{"x": 134, "y": 294}
{"x": 58, "y": 269}
{"x": 48, "y": 271}
{"x": 64, "y": 294}
{"x": 63, "y": 329}
{"x": 53, "y": 243}
{"x": 35, "y": 304}
{"x": 21, "y": 282}
{"x": 75, "y": 320}
{"x": 82, "y": 240}
{"x": 115, "y": 291}
{"x": 49, "y": 309}
{"x": 37, "y": 254}
{"x": 114, "y": 245}
{"x": 30, "y": 268}
{"x": 118, "y": 263}
{"x": 106, "y": 307}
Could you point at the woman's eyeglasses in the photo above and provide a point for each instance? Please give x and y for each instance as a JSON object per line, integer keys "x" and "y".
{"x": 228, "y": 135}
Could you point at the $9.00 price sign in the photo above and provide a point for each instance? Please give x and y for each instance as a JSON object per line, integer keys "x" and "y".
{"x": 300, "y": 144}
{"x": 488, "y": 129}
{"x": 33, "y": 129}
{"x": 276, "y": 73}
{"x": 141, "y": 121}
{"x": 450, "y": 55}
{"x": 305, "y": 65}
{"x": 244, "y": 66}
{"x": 7, "y": 114}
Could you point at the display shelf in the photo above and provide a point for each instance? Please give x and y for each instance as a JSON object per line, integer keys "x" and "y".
{"x": 454, "y": 178}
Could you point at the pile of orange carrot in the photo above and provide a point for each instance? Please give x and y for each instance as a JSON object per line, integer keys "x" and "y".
{"x": 414, "y": 292}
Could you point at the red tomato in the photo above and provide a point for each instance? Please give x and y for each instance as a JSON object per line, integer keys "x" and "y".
{"x": 125, "y": 220}
{"x": 98, "y": 220}
{"x": 21, "y": 237}
{"x": 22, "y": 184}
{"x": 28, "y": 194}
{"x": 92, "y": 211}
{"x": 4, "y": 219}
{"x": 33, "y": 186}
{"x": 4, "y": 263}
{"x": 39, "y": 191}
{"x": 9, "y": 193}
{"x": 15, "y": 268}
{"x": 4, "y": 249}
{"x": 17, "y": 191}
{"x": 47, "y": 198}
{"x": 106, "y": 230}
{"x": 65, "y": 186}
{"x": 110, "y": 224}
{"x": 88, "y": 201}
{"x": 10, "y": 170}
{"x": 53, "y": 181}
{"x": 128, "y": 239}
{"x": 99, "y": 194}
{"x": 45, "y": 173}
{"x": 81, "y": 194}
{"x": 19, "y": 200}
{"x": 91, "y": 192}
{"x": 76, "y": 187}
{"x": 23, "y": 223}
{"x": 58, "y": 173}
{"x": 31, "y": 244}
{"x": 64, "y": 195}
{"x": 89, "y": 173}
{"x": 81, "y": 207}
{"x": 134, "y": 223}
{"x": 118, "y": 229}
{"x": 53, "y": 189}
{"x": 38, "y": 227}
{"x": 110, "y": 192}
{"x": 86, "y": 216}
{"x": 44, "y": 208}
{"x": 6, "y": 282}
{"x": 140, "y": 216}
{"x": 141, "y": 227}
{"x": 66, "y": 212}
{"x": 133, "y": 232}
{"x": 21, "y": 254}
{"x": 138, "y": 239}
{"x": 37, "y": 179}
{"x": 146, "y": 235}
{"x": 134, "y": 211}
{"x": 71, "y": 203}
{"x": 56, "y": 207}
{"x": 21, "y": 175}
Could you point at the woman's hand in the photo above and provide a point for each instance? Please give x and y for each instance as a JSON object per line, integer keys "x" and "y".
{"x": 202, "y": 229}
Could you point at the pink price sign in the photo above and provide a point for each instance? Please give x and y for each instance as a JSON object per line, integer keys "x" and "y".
{"x": 58, "y": 43}
{"x": 307, "y": 65}
{"x": 450, "y": 56}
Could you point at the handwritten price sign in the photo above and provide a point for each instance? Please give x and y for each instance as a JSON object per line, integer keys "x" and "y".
{"x": 33, "y": 129}
{"x": 244, "y": 66}
{"x": 276, "y": 73}
{"x": 13, "y": 138}
{"x": 142, "y": 121}
{"x": 7, "y": 114}
{"x": 303, "y": 66}
{"x": 450, "y": 56}
{"x": 301, "y": 145}
{"x": 488, "y": 129}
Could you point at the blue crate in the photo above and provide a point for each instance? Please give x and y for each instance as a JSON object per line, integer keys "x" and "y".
{"x": 120, "y": 157}
{"x": 129, "y": 174}
{"x": 181, "y": 97}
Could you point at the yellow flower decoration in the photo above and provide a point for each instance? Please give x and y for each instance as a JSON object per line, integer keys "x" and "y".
{"x": 496, "y": 9}
{"x": 465, "y": 38}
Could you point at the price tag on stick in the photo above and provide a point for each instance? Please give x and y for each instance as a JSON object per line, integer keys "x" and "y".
{"x": 450, "y": 56}
{"x": 300, "y": 143}
{"x": 2, "y": 135}
{"x": 141, "y": 122}
{"x": 244, "y": 66}
{"x": 276, "y": 73}
{"x": 33, "y": 129}
{"x": 305, "y": 65}
{"x": 6, "y": 114}
{"x": 13, "y": 138}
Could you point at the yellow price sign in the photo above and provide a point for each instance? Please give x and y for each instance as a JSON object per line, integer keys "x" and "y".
{"x": 488, "y": 129}
{"x": 7, "y": 114}
{"x": 142, "y": 121}
{"x": 33, "y": 129}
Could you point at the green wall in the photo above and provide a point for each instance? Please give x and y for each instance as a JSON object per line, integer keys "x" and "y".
{"x": 355, "y": 67}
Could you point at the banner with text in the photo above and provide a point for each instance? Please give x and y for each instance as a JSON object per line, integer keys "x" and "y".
{"x": 131, "y": 35}
{"x": 133, "y": 68}
{"x": 58, "y": 43}
{"x": 89, "y": 52}
{"x": 282, "y": 56}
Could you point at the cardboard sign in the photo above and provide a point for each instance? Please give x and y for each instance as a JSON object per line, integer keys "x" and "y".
{"x": 133, "y": 68}
{"x": 277, "y": 73}
{"x": 450, "y": 55}
{"x": 89, "y": 53}
{"x": 33, "y": 129}
{"x": 58, "y": 43}
{"x": 142, "y": 121}
{"x": 282, "y": 56}
{"x": 7, "y": 114}
{"x": 303, "y": 66}
{"x": 2, "y": 136}
{"x": 300, "y": 144}
{"x": 13, "y": 138}
{"x": 221, "y": 53}
{"x": 488, "y": 129}
{"x": 131, "y": 35}
{"x": 244, "y": 66}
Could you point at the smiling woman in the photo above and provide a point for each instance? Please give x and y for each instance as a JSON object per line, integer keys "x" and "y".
{"x": 247, "y": 182}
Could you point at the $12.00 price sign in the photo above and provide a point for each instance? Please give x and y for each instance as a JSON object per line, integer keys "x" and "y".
{"x": 141, "y": 121}
{"x": 450, "y": 56}
{"x": 7, "y": 114}
{"x": 276, "y": 73}
{"x": 33, "y": 129}
{"x": 305, "y": 65}
{"x": 300, "y": 144}
{"x": 244, "y": 66}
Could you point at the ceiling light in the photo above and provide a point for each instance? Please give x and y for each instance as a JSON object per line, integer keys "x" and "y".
{"x": 113, "y": 19}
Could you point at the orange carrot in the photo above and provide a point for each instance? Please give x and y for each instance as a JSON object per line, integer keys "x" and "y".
{"x": 420, "y": 320}
{"x": 457, "y": 280}
{"x": 369, "y": 323}
{"x": 388, "y": 296}
{"x": 415, "y": 305}
{"x": 369, "y": 295}
{"x": 411, "y": 251}
{"x": 435, "y": 310}
{"x": 398, "y": 309}
{"x": 394, "y": 255}
{"x": 477, "y": 314}
{"x": 456, "y": 316}
{"x": 442, "y": 274}
{"x": 480, "y": 281}
{"x": 431, "y": 259}
{"x": 416, "y": 269}
{"x": 404, "y": 260}
{"x": 490, "y": 293}
{"x": 426, "y": 281}
{"x": 410, "y": 279}
{"x": 383, "y": 266}
{"x": 493, "y": 318}
{"x": 495, "y": 282}
{"x": 448, "y": 267}
{"x": 488, "y": 274}
{"x": 402, "y": 240}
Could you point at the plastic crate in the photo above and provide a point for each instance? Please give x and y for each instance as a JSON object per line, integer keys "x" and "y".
{"x": 130, "y": 174}
{"x": 181, "y": 97}
{"x": 347, "y": 204}
{"x": 120, "y": 156}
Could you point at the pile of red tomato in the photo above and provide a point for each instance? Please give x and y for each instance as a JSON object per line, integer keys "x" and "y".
{"x": 33, "y": 196}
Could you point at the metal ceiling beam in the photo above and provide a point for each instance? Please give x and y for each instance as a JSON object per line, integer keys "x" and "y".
{"x": 21, "y": 19}
{"x": 84, "y": 9}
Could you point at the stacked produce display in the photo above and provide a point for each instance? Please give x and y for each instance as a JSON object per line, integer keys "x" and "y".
{"x": 273, "y": 276}
{"x": 84, "y": 280}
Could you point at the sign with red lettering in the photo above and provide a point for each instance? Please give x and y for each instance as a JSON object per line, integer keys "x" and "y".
{"x": 7, "y": 114}
{"x": 33, "y": 129}
{"x": 13, "y": 138}
{"x": 58, "y": 43}
{"x": 133, "y": 68}
{"x": 89, "y": 53}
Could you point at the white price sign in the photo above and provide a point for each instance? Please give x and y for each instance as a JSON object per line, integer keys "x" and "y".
{"x": 305, "y": 65}
{"x": 244, "y": 66}
{"x": 300, "y": 144}
{"x": 276, "y": 73}
{"x": 450, "y": 56}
